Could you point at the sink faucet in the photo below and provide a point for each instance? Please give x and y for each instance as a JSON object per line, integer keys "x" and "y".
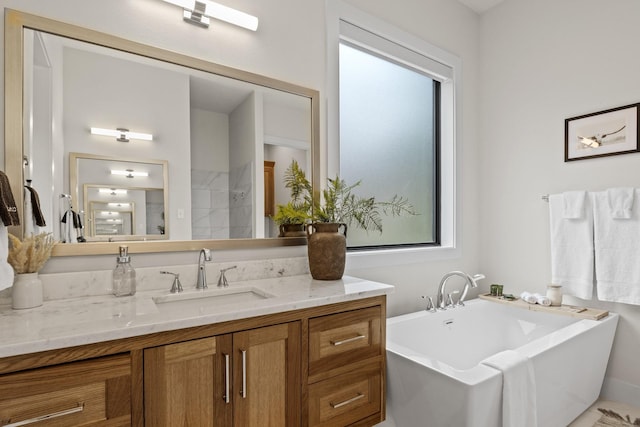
{"x": 205, "y": 255}
{"x": 469, "y": 282}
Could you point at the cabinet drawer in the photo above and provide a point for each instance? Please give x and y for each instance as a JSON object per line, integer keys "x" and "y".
{"x": 340, "y": 339}
{"x": 77, "y": 393}
{"x": 347, "y": 398}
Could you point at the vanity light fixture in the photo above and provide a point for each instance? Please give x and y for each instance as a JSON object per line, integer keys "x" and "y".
{"x": 129, "y": 173}
{"x": 198, "y": 12}
{"x": 122, "y": 134}
{"x": 112, "y": 191}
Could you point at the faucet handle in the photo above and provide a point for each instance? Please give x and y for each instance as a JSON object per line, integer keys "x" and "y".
{"x": 450, "y": 303}
{"x": 176, "y": 286}
{"x": 222, "y": 280}
{"x": 431, "y": 308}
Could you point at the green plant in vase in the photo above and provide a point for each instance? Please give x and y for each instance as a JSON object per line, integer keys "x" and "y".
{"x": 292, "y": 217}
{"x": 341, "y": 208}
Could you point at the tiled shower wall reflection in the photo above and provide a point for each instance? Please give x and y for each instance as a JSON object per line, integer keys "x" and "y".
{"x": 221, "y": 203}
{"x": 209, "y": 204}
{"x": 240, "y": 202}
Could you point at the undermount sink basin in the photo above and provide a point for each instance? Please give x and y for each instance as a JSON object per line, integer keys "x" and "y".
{"x": 211, "y": 298}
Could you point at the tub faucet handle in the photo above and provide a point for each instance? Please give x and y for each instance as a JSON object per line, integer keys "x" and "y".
{"x": 450, "y": 303}
{"x": 431, "y": 307}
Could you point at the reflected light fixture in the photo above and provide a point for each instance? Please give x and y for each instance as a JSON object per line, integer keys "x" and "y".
{"x": 198, "y": 12}
{"x": 122, "y": 134}
{"x": 118, "y": 205}
{"x": 112, "y": 191}
{"x": 129, "y": 173}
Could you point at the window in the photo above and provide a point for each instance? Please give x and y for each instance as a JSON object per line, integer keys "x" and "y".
{"x": 390, "y": 120}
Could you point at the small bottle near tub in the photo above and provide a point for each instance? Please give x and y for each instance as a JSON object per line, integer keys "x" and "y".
{"x": 554, "y": 293}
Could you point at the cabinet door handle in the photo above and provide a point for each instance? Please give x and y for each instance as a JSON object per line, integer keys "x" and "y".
{"x": 348, "y": 340}
{"x": 227, "y": 365}
{"x": 34, "y": 420}
{"x": 243, "y": 392}
{"x": 346, "y": 402}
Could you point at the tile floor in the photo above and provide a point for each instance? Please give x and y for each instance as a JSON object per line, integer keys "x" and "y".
{"x": 587, "y": 419}
{"x": 591, "y": 416}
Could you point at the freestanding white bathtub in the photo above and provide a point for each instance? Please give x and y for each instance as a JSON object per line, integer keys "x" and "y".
{"x": 435, "y": 378}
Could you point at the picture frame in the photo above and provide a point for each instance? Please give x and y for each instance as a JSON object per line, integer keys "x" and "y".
{"x": 604, "y": 133}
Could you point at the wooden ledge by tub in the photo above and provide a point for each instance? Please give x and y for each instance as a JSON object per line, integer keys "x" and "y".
{"x": 564, "y": 309}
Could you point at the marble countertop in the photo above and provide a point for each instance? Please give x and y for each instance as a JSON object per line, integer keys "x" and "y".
{"x": 85, "y": 320}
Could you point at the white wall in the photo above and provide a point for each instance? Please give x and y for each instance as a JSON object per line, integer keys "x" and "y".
{"x": 542, "y": 62}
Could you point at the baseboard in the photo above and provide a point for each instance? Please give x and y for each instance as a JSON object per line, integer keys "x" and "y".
{"x": 620, "y": 391}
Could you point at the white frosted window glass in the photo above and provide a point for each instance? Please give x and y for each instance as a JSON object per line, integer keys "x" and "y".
{"x": 388, "y": 141}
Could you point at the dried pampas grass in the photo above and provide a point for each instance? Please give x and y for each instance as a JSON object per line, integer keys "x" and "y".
{"x": 29, "y": 255}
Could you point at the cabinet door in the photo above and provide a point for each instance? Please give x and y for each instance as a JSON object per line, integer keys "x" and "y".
{"x": 267, "y": 376}
{"x": 184, "y": 384}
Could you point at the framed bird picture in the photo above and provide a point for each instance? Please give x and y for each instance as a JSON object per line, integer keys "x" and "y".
{"x": 605, "y": 133}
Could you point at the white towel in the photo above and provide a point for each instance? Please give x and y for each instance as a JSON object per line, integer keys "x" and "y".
{"x": 528, "y": 297}
{"x": 518, "y": 388}
{"x": 542, "y": 300}
{"x": 572, "y": 260}
{"x": 6, "y": 271}
{"x": 574, "y": 204}
{"x": 617, "y": 251}
{"x": 621, "y": 202}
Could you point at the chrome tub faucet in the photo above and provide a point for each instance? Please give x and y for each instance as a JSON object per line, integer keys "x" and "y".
{"x": 443, "y": 302}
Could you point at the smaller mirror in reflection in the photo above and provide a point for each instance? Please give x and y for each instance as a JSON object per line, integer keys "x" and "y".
{"x": 112, "y": 218}
{"x": 122, "y": 199}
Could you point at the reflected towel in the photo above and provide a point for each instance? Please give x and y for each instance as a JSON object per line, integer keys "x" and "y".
{"x": 518, "y": 388}
{"x": 574, "y": 204}
{"x": 617, "y": 250}
{"x": 526, "y": 296}
{"x": 8, "y": 209}
{"x": 620, "y": 202}
{"x": 6, "y": 271}
{"x": 69, "y": 232}
{"x": 572, "y": 260}
{"x": 36, "y": 211}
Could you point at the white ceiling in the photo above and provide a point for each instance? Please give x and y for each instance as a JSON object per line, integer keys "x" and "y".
{"x": 480, "y": 6}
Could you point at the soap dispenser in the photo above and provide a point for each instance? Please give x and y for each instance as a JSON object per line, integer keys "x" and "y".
{"x": 124, "y": 276}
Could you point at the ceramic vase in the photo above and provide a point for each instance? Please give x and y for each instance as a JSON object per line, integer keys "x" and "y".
{"x": 27, "y": 291}
{"x": 292, "y": 230}
{"x": 327, "y": 249}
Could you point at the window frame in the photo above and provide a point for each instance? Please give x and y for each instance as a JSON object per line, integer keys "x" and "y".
{"x": 449, "y": 129}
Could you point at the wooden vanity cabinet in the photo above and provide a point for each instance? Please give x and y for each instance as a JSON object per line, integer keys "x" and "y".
{"x": 247, "y": 378}
{"x": 317, "y": 366}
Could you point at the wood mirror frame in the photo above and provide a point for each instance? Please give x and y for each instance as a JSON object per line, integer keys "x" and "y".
{"x": 16, "y": 22}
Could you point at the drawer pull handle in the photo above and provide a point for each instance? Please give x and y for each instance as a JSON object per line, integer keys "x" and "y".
{"x": 348, "y": 340}
{"x": 34, "y": 420}
{"x": 243, "y": 392}
{"x": 346, "y": 402}
{"x": 226, "y": 378}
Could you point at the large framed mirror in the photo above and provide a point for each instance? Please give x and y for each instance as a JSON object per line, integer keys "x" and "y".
{"x": 79, "y": 103}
